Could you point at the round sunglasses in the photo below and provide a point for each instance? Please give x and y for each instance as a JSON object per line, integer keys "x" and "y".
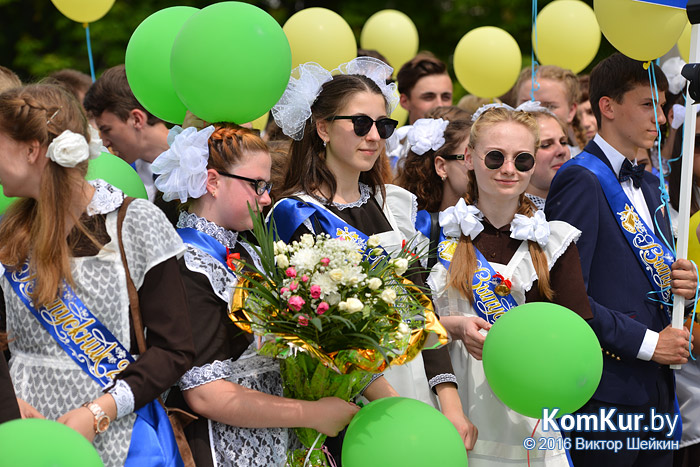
{"x": 362, "y": 124}
{"x": 523, "y": 162}
{"x": 260, "y": 186}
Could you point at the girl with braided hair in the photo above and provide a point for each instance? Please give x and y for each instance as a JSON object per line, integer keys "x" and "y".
{"x": 66, "y": 306}
{"x": 243, "y": 418}
{"x": 529, "y": 259}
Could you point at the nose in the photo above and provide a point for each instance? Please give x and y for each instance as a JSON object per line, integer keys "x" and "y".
{"x": 660, "y": 115}
{"x": 373, "y": 134}
{"x": 264, "y": 200}
{"x": 508, "y": 166}
{"x": 105, "y": 140}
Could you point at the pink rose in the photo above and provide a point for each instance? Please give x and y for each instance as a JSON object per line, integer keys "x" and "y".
{"x": 315, "y": 291}
{"x": 296, "y": 302}
{"x": 325, "y": 261}
{"x": 303, "y": 320}
{"x": 293, "y": 286}
{"x": 304, "y": 278}
{"x": 284, "y": 290}
{"x": 322, "y": 308}
{"x": 291, "y": 272}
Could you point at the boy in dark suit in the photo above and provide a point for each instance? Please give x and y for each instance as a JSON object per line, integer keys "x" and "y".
{"x": 614, "y": 203}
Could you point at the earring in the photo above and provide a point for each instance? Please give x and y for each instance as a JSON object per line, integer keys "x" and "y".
{"x": 213, "y": 194}
{"x": 324, "y": 143}
{"x": 444, "y": 177}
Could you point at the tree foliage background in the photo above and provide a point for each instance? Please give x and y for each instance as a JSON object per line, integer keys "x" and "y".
{"x": 37, "y": 39}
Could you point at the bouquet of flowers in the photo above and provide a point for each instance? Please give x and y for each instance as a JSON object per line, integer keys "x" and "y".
{"x": 334, "y": 314}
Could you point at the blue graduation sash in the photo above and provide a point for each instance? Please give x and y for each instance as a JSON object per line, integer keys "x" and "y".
{"x": 487, "y": 303}
{"x": 653, "y": 256}
{"x": 204, "y": 242}
{"x": 100, "y": 354}
{"x": 423, "y": 223}
{"x": 289, "y": 214}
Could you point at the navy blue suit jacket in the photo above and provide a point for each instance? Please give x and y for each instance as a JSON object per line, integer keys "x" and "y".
{"x": 617, "y": 285}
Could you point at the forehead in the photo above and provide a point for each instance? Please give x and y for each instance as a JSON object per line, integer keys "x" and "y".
{"x": 510, "y": 136}
{"x": 549, "y": 127}
{"x": 108, "y": 118}
{"x": 367, "y": 103}
{"x": 641, "y": 92}
{"x": 549, "y": 91}
{"x": 437, "y": 84}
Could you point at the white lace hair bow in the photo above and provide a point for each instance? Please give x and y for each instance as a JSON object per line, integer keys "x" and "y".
{"x": 294, "y": 107}
{"x": 527, "y": 106}
{"x": 672, "y": 69}
{"x": 535, "y": 228}
{"x": 461, "y": 219}
{"x": 182, "y": 169}
{"x": 426, "y": 134}
{"x": 70, "y": 149}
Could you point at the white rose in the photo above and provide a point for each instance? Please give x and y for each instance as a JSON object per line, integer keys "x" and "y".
{"x": 68, "y": 149}
{"x": 401, "y": 265}
{"x": 280, "y": 247}
{"x": 374, "y": 283}
{"x": 373, "y": 241}
{"x": 354, "y": 305}
{"x": 389, "y": 296}
{"x": 307, "y": 240}
{"x": 282, "y": 261}
{"x": 403, "y": 330}
{"x": 342, "y": 306}
{"x": 336, "y": 274}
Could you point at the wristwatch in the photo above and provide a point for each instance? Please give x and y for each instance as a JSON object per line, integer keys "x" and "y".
{"x": 101, "y": 418}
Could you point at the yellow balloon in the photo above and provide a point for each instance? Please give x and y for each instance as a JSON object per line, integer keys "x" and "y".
{"x": 554, "y": 43}
{"x": 261, "y": 122}
{"x": 693, "y": 243}
{"x": 641, "y": 31}
{"x": 83, "y": 11}
{"x": 392, "y": 34}
{"x": 487, "y": 61}
{"x": 320, "y": 35}
{"x": 684, "y": 43}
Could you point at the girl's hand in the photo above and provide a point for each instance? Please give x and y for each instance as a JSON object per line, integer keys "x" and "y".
{"x": 81, "y": 420}
{"x": 331, "y": 414}
{"x": 472, "y": 337}
{"x": 465, "y": 428}
{"x": 28, "y": 411}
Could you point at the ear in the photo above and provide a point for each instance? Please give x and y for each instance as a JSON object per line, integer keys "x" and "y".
{"x": 440, "y": 167}
{"x": 572, "y": 113}
{"x": 213, "y": 179}
{"x": 35, "y": 152}
{"x": 469, "y": 158}
{"x": 322, "y": 129}
{"x": 139, "y": 117}
{"x": 403, "y": 100}
{"x": 605, "y": 104}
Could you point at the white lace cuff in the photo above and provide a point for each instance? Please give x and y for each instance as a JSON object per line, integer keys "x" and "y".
{"x": 123, "y": 397}
{"x": 199, "y": 375}
{"x": 442, "y": 378}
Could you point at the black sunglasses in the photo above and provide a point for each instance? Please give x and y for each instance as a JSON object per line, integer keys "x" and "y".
{"x": 454, "y": 157}
{"x": 523, "y": 162}
{"x": 362, "y": 124}
{"x": 260, "y": 186}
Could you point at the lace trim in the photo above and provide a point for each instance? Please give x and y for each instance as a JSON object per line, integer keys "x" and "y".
{"x": 365, "y": 194}
{"x": 106, "y": 198}
{"x": 374, "y": 377}
{"x": 221, "y": 279}
{"x": 123, "y": 397}
{"x": 198, "y": 375}
{"x": 572, "y": 236}
{"x": 227, "y": 238}
{"x": 538, "y": 201}
{"x": 442, "y": 378}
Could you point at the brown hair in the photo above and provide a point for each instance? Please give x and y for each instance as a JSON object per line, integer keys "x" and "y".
{"x": 111, "y": 92}
{"x": 8, "y": 79}
{"x": 463, "y": 263}
{"x": 554, "y": 73}
{"x": 422, "y": 65}
{"x": 40, "y": 225}
{"x": 307, "y": 170}
{"x": 417, "y": 173}
{"x": 74, "y": 81}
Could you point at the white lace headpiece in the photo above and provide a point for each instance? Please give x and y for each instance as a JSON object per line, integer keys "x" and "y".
{"x": 294, "y": 107}
{"x": 527, "y": 106}
{"x": 672, "y": 69}
{"x": 70, "y": 149}
{"x": 182, "y": 169}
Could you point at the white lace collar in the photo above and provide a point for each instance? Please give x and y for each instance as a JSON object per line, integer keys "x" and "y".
{"x": 106, "y": 198}
{"x": 365, "y": 194}
{"x": 227, "y": 238}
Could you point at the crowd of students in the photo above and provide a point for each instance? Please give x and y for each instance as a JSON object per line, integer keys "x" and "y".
{"x": 493, "y": 182}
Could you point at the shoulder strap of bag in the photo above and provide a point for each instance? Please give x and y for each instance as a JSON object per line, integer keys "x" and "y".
{"x": 434, "y": 239}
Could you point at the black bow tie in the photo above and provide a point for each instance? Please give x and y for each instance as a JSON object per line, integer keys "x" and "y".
{"x": 633, "y": 172}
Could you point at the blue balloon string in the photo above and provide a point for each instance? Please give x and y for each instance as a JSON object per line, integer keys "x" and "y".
{"x": 695, "y": 305}
{"x": 89, "y": 47}
{"x": 535, "y": 85}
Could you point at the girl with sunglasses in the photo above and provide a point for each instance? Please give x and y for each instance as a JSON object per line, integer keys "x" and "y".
{"x": 236, "y": 394}
{"x": 340, "y": 124}
{"x": 530, "y": 260}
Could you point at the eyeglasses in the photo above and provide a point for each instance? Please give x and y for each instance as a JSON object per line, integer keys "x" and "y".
{"x": 260, "y": 186}
{"x": 454, "y": 157}
{"x": 362, "y": 124}
{"x": 523, "y": 162}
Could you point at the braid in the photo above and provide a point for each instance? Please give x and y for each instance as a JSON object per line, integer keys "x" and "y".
{"x": 229, "y": 143}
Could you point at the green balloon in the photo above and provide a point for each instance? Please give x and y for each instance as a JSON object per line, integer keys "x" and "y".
{"x": 44, "y": 443}
{"x": 230, "y": 62}
{"x": 117, "y": 172}
{"x": 402, "y": 432}
{"x": 5, "y": 202}
{"x": 541, "y": 355}
{"x": 148, "y": 62}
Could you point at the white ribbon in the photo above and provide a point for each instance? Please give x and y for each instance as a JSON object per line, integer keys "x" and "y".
{"x": 426, "y": 134}
{"x": 672, "y": 69}
{"x": 535, "y": 228}
{"x": 461, "y": 219}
